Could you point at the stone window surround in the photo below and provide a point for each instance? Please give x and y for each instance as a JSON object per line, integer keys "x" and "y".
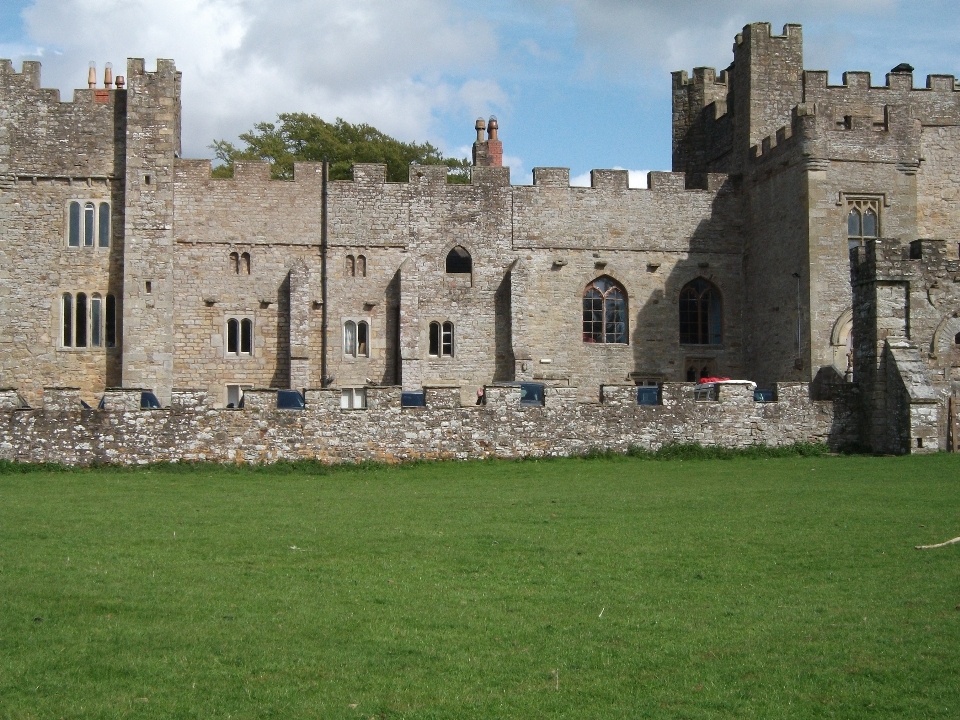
{"x": 358, "y": 321}
{"x": 355, "y": 266}
{"x": 103, "y": 347}
{"x": 240, "y": 262}
{"x": 97, "y": 217}
{"x": 444, "y": 327}
{"x": 239, "y": 317}
{"x": 862, "y": 203}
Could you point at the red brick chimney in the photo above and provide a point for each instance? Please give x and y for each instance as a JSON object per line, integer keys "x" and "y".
{"x": 487, "y": 152}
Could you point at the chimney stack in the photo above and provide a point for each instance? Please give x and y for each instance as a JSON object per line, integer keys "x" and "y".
{"x": 488, "y": 152}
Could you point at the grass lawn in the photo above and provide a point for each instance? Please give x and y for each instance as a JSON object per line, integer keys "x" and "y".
{"x": 603, "y": 588}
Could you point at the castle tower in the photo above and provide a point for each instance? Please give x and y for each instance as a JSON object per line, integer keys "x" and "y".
{"x": 766, "y": 83}
{"x": 152, "y": 144}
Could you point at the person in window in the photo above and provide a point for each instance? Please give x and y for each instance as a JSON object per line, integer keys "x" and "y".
{"x": 480, "y": 397}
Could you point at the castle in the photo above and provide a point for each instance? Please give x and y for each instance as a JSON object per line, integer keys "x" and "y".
{"x": 808, "y": 233}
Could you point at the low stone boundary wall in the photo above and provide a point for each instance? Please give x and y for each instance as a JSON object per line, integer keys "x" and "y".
{"x": 192, "y": 429}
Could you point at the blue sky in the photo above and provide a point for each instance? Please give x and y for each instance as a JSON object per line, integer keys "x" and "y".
{"x": 575, "y": 83}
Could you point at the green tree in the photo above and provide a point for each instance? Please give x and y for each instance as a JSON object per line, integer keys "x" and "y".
{"x": 303, "y": 137}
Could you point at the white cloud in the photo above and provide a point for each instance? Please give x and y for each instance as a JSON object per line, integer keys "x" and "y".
{"x": 620, "y": 35}
{"x": 391, "y": 63}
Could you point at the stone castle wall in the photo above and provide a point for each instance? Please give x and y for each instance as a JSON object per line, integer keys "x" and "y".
{"x": 193, "y": 430}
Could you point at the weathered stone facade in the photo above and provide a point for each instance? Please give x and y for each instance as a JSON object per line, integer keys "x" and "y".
{"x": 736, "y": 263}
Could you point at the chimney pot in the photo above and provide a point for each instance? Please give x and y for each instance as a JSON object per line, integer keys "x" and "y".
{"x": 92, "y": 75}
{"x": 120, "y": 82}
{"x": 492, "y": 127}
{"x": 108, "y": 75}
{"x": 480, "y": 126}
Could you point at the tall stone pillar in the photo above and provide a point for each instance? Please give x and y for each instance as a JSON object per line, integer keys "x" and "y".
{"x": 152, "y": 142}
{"x": 411, "y": 370}
{"x": 300, "y": 301}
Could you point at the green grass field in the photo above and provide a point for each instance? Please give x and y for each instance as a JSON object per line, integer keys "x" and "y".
{"x": 603, "y": 588}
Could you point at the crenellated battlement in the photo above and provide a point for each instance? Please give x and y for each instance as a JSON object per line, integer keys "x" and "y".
{"x": 763, "y": 31}
{"x": 193, "y": 430}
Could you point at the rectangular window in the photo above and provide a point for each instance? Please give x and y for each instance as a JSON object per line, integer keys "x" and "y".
{"x": 446, "y": 344}
{"x": 233, "y": 336}
{"x": 96, "y": 339}
{"x": 648, "y": 395}
{"x": 531, "y": 394}
{"x": 350, "y": 338}
{"x": 73, "y": 230}
{"x": 353, "y": 398}
{"x": 235, "y": 394}
{"x": 362, "y": 340}
{"x": 104, "y": 228}
{"x": 66, "y": 312}
{"x": 246, "y": 336}
{"x": 88, "y": 224}
{"x": 111, "y": 322}
{"x": 81, "y": 324}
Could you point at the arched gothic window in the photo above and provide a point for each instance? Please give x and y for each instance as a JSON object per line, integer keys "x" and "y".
{"x": 701, "y": 314}
{"x": 604, "y": 312}
{"x": 459, "y": 261}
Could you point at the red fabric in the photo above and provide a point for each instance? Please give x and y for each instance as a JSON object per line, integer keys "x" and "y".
{"x": 713, "y": 380}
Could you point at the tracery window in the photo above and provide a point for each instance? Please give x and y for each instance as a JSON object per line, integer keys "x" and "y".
{"x": 441, "y": 339}
{"x": 604, "y": 312}
{"x": 701, "y": 314}
{"x": 459, "y": 261}
{"x": 863, "y": 221}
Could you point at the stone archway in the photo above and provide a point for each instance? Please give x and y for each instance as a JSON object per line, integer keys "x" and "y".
{"x": 841, "y": 342}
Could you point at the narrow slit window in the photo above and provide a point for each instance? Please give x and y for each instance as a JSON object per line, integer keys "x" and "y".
{"x": 67, "y": 315}
{"x": 111, "y": 321}
{"x": 434, "y": 339}
{"x": 362, "y": 340}
{"x": 446, "y": 340}
{"x": 246, "y": 336}
{"x": 73, "y": 231}
{"x": 245, "y": 263}
{"x": 361, "y": 266}
{"x": 235, "y": 263}
{"x": 88, "y": 224}
{"x": 96, "y": 320}
{"x": 350, "y": 338}
{"x": 233, "y": 336}
{"x": 350, "y": 266}
{"x": 80, "y": 327}
{"x": 103, "y": 237}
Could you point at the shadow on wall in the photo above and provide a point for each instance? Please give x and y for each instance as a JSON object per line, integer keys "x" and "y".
{"x": 114, "y": 357}
{"x": 281, "y": 374}
{"x": 655, "y": 335}
{"x": 391, "y": 365}
{"x": 505, "y": 367}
